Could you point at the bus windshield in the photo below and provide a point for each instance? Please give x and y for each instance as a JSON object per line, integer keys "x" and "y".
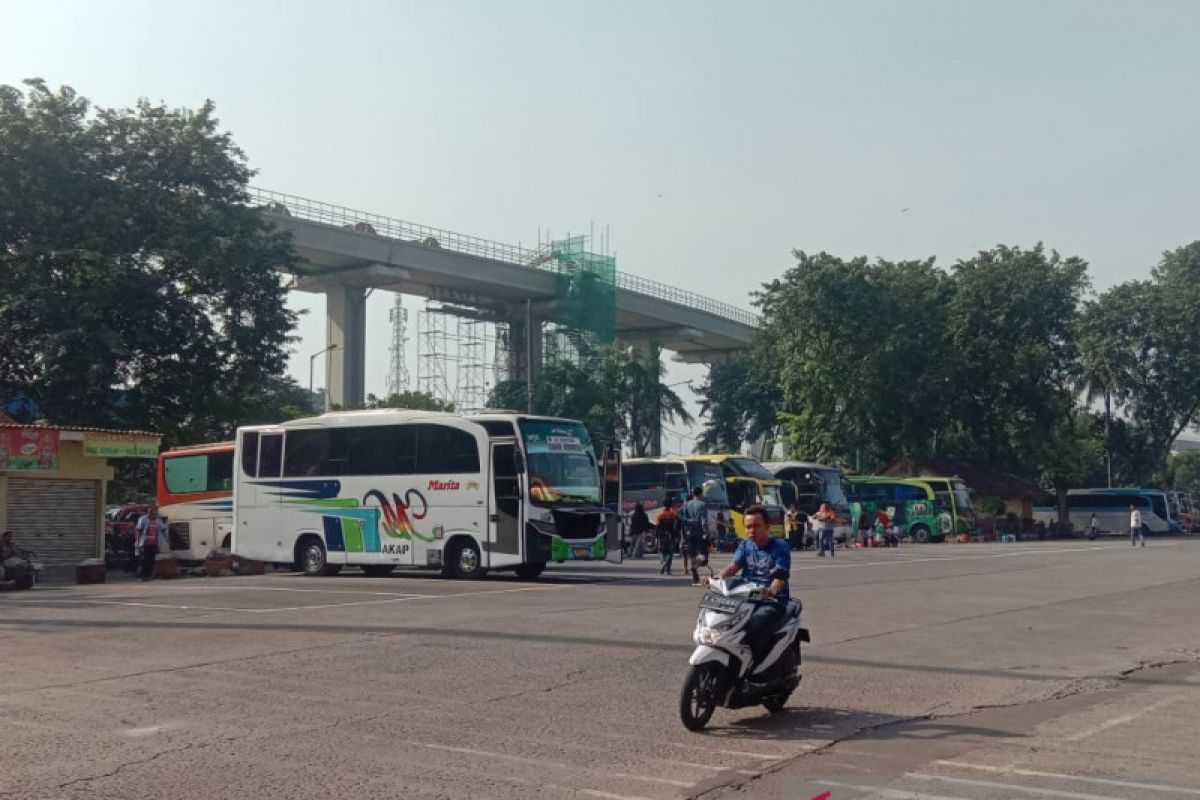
{"x": 749, "y": 468}
{"x": 834, "y": 493}
{"x": 562, "y": 468}
{"x": 962, "y": 498}
{"x": 711, "y": 479}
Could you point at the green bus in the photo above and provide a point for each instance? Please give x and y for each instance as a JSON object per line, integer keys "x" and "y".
{"x": 927, "y": 509}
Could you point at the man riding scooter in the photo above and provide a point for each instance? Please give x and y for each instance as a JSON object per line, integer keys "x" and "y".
{"x": 767, "y": 561}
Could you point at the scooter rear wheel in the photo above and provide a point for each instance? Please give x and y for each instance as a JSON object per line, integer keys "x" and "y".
{"x": 698, "y": 700}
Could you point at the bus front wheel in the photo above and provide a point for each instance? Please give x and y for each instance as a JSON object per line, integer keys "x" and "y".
{"x": 465, "y": 561}
{"x": 529, "y": 571}
{"x": 312, "y": 558}
{"x": 920, "y": 534}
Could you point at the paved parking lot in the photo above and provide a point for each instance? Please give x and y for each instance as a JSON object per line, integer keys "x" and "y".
{"x": 1066, "y": 669}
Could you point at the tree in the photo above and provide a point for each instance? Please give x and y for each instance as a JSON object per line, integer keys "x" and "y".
{"x": 1148, "y": 335}
{"x": 646, "y": 401}
{"x": 1185, "y": 472}
{"x": 137, "y": 287}
{"x": 416, "y": 401}
{"x": 738, "y": 403}
{"x": 1012, "y": 321}
{"x": 858, "y": 350}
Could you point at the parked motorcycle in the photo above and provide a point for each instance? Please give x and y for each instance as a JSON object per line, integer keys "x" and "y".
{"x": 723, "y": 672}
{"x": 22, "y": 570}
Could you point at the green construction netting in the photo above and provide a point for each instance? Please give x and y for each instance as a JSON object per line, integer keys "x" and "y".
{"x": 587, "y": 301}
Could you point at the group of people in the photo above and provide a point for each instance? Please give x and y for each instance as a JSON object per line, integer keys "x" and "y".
{"x": 681, "y": 528}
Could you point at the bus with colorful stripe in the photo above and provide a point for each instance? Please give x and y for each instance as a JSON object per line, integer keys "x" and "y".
{"x": 195, "y": 495}
{"x": 391, "y": 488}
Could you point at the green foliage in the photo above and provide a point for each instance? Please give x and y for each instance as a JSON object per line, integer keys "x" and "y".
{"x": 416, "y": 401}
{"x": 738, "y": 404}
{"x": 1185, "y": 472}
{"x": 137, "y": 288}
{"x": 859, "y": 356}
{"x": 617, "y": 393}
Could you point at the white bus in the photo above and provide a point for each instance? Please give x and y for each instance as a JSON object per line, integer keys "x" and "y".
{"x": 1111, "y": 507}
{"x": 195, "y": 494}
{"x": 387, "y": 488}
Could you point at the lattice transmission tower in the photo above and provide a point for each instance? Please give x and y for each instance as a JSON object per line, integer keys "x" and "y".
{"x": 398, "y": 377}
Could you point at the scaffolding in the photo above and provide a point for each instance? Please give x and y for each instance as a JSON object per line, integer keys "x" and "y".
{"x": 587, "y": 302}
{"x": 460, "y": 357}
{"x": 398, "y": 376}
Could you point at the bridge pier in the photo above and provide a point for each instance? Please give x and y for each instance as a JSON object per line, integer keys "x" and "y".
{"x": 524, "y": 346}
{"x": 346, "y": 334}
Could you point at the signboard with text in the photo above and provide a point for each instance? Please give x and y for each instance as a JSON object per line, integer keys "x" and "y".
{"x": 28, "y": 449}
{"x": 120, "y": 445}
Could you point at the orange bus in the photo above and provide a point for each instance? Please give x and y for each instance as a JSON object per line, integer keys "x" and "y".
{"x": 195, "y": 494}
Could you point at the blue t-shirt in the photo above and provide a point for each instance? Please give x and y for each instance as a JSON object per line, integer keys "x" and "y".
{"x": 758, "y": 563}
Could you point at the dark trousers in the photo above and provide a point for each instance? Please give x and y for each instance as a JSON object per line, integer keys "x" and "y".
{"x": 149, "y": 553}
{"x": 762, "y": 623}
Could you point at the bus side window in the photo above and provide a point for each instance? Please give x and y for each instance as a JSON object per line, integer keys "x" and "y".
{"x": 250, "y": 453}
{"x": 270, "y": 455}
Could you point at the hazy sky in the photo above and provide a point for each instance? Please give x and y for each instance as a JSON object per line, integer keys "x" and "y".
{"x": 710, "y": 138}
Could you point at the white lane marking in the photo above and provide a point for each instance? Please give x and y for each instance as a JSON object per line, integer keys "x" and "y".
{"x": 316, "y": 607}
{"x": 735, "y": 753}
{"x": 1121, "y": 720}
{"x": 1014, "y": 554}
{"x": 542, "y": 762}
{"x": 893, "y": 794}
{"x": 149, "y": 730}
{"x": 1008, "y": 787}
{"x": 1033, "y": 773}
{"x": 604, "y": 795}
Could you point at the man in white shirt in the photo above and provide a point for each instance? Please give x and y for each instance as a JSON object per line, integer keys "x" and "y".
{"x": 1136, "y": 532}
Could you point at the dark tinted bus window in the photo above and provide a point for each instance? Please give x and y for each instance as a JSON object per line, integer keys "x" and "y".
{"x": 905, "y": 492}
{"x": 269, "y": 455}
{"x": 250, "y": 453}
{"x": 498, "y": 427}
{"x": 305, "y": 453}
{"x": 382, "y": 450}
{"x": 442, "y": 449}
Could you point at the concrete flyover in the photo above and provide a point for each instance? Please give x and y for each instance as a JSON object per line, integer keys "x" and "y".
{"x": 345, "y": 253}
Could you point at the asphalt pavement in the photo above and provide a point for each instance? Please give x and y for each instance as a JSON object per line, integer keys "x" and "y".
{"x": 962, "y": 672}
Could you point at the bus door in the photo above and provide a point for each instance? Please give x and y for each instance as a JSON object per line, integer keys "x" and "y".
{"x": 614, "y": 520}
{"x": 506, "y": 519}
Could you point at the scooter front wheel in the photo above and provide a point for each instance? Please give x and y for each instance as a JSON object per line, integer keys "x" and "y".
{"x": 698, "y": 700}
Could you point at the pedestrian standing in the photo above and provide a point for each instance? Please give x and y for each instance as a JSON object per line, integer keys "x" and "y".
{"x": 639, "y": 526}
{"x": 1093, "y": 526}
{"x": 667, "y": 533}
{"x": 1136, "y": 531}
{"x": 825, "y": 520}
{"x": 693, "y": 519}
{"x": 150, "y": 529}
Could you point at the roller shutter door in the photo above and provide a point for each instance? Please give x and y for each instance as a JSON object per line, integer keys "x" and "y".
{"x": 57, "y": 519}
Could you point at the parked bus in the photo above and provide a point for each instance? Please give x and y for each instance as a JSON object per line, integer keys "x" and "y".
{"x": 927, "y": 509}
{"x": 386, "y": 488}
{"x": 808, "y": 484}
{"x": 195, "y": 494}
{"x": 747, "y": 482}
{"x": 1111, "y": 507}
{"x": 650, "y": 481}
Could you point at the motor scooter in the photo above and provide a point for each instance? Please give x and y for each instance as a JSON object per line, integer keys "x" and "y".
{"x": 723, "y": 671}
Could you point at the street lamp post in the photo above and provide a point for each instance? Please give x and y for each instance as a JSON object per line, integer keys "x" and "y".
{"x": 312, "y": 360}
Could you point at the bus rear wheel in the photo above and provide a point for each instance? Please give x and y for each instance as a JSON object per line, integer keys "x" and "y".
{"x": 920, "y": 533}
{"x": 529, "y": 571}
{"x": 465, "y": 561}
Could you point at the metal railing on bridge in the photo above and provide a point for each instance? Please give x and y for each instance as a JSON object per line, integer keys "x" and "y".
{"x": 316, "y": 211}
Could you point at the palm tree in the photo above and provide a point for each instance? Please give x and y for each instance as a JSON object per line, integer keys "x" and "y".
{"x": 648, "y": 401}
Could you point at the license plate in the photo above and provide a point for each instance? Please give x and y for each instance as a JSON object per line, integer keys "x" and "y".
{"x": 583, "y": 552}
{"x": 719, "y": 602}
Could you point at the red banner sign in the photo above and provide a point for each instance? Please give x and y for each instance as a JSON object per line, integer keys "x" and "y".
{"x": 28, "y": 449}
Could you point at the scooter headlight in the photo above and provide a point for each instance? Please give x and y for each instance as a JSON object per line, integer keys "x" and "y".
{"x": 708, "y": 635}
